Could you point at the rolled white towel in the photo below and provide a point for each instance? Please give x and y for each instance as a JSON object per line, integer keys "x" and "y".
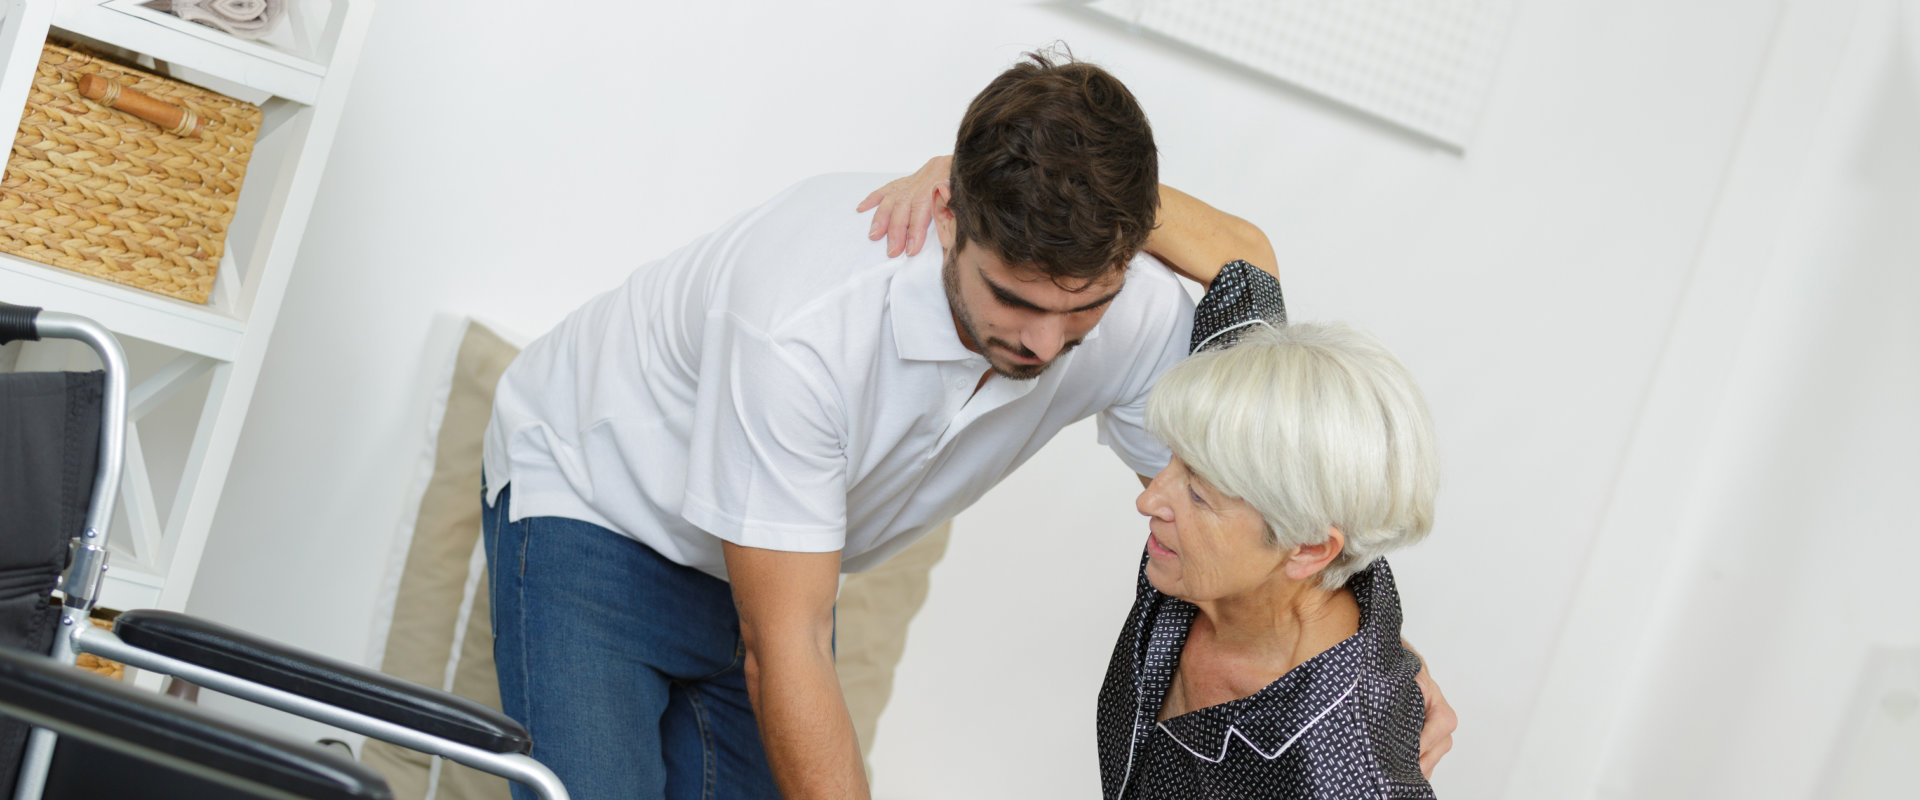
{"x": 247, "y": 19}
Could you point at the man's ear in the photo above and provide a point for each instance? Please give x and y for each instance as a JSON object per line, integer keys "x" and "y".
{"x": 1308, "y": 560}
{"x": 943, "y": 222}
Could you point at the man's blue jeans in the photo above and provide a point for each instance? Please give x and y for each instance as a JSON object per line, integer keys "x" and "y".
{"x": 625, "y": 666}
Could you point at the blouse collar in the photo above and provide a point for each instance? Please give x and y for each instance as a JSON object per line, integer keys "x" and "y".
{"x": 1272, "y": 719}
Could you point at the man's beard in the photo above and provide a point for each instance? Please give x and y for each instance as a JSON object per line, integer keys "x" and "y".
{"x": 950, "y": 278}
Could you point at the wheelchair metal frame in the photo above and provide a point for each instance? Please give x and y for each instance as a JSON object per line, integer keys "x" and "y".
{"x": 80, "y": 587}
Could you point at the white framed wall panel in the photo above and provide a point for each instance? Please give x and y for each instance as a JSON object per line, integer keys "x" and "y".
{"x": 1426, "y": 66}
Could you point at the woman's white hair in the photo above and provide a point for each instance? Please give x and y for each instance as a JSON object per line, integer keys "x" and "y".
{"x": 1314, "y": 425}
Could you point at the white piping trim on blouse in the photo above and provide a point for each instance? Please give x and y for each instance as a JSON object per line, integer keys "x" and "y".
{"x": 1234, "y": 731}
{"x": 1234, "y": 327}
{"x": 1139, "y": 703}
{"x": 1133, "y": 743}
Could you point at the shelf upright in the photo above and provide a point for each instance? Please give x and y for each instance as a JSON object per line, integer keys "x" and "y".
{"x": 157, "y": 552}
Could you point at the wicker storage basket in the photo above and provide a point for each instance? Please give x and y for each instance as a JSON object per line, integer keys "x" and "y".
{"x": 97, "y": 665}
{"x": 100, "y": 192}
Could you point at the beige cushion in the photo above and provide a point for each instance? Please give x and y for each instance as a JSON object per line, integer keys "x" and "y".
{"x": 443, "y": 582}
{"x": 870, "y": 629}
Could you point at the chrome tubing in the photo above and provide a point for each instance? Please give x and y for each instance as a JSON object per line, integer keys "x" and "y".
{"x": 82, "y": 585}
{"x": 512, "y": 766}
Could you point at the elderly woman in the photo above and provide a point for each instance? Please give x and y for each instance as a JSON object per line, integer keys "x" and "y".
{"x": 1263, "y": 657}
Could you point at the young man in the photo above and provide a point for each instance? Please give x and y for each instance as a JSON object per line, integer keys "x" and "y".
{"x": 679, "y": 472}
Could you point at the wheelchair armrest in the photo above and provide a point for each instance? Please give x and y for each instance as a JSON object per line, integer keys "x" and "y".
{"x": 87, "y": 707}
{"x": 335, "y": 683}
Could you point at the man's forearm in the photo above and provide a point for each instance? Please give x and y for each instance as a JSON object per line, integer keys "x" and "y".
{"x": 804, "y": 724}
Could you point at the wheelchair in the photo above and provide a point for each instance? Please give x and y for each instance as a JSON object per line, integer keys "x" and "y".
{"x": 62, "y": 444}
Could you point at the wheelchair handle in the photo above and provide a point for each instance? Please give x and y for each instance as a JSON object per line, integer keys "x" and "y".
{"x": 17, "y": 323}
{"x": 32, "y": 324}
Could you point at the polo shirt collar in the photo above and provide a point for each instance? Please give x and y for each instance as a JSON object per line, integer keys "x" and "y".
{"x": 922, "y": 319}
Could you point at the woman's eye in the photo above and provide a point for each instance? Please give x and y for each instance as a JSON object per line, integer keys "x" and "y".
{"x": 1195, "y": 496}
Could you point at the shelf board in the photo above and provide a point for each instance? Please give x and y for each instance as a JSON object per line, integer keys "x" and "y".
{"x": 194, "y": 46}
{"x": 124, "y": 310}
{"x": 129, "y": 587}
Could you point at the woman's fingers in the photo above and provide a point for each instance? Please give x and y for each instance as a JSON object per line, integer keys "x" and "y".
{"x": 891, "y": 205}
{"x": 917, "y": 213}
{"x": 1431, "y": 758}
{"x": 921, "y": 216}
{"x": 884, "y": 201}
{"x": 899, "y": 214}
{"x": 1436, "y": 737}
{"x": 903, "y": 208}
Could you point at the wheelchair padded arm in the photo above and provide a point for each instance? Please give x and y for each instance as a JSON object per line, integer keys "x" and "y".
{"x": 336, "y": 683}
{"x": 74, "y": 703}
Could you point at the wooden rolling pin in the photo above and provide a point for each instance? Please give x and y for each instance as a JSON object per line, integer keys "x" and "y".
{"x": 174, "y": 119}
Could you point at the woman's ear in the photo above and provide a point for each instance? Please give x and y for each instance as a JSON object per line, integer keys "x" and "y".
{"x": 943, "y": 223}
{"x": 1308, "y": 560}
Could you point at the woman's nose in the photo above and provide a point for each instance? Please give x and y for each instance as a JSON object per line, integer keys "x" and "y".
{"x": 1150, "y": 503}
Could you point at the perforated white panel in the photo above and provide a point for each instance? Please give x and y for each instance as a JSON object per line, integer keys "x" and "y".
{"x": 1423, "y": 64}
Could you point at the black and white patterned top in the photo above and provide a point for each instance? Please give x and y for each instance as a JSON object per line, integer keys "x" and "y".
{"x": 1239, "y": 297}
{"x": 1344, "y": 724}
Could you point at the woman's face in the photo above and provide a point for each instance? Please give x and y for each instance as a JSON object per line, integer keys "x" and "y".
{"x": 1202, "y": 544}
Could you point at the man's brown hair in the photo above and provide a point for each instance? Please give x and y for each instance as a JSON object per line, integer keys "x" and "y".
{"x": 1055, "y": 167}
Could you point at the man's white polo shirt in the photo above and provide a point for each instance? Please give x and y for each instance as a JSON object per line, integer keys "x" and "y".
{"x": 780, "y": 383}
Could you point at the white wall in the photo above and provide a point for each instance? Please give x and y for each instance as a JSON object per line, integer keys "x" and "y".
{"x": 505, "y": 165}
{"x": 1795, "y": 554}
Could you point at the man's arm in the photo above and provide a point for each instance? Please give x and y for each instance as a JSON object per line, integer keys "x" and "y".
{"x": 785, "y": 601}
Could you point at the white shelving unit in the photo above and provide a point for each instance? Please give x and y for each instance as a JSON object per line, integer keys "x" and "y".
{"x": 301, "y": 88}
